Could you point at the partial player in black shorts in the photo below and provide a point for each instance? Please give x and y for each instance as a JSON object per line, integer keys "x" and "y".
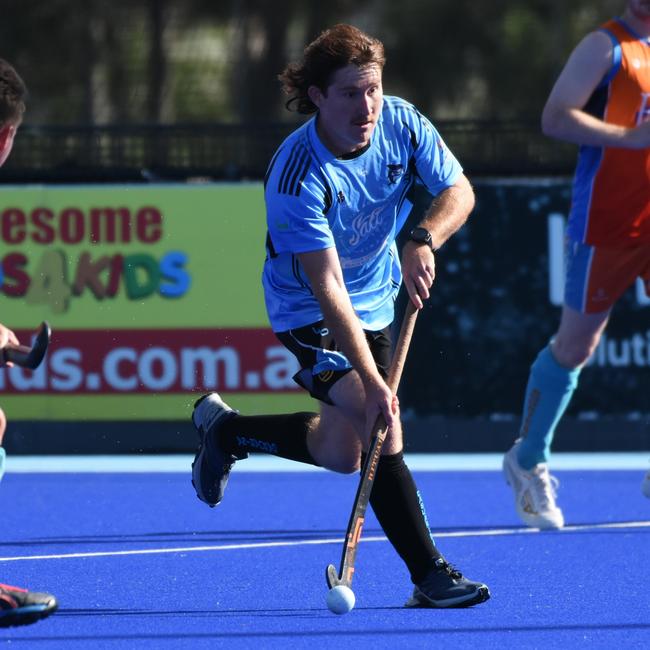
{"x": 321, "y": 362}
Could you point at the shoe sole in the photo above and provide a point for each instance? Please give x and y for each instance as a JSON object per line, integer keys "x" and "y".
{"x": 424, "y": 602}
{"x": 512, "y": 481}
{"x": 226, "y": 414}
{"x": 27, "y": 617}
{"x": 199, "y": 455}
{"x": 199, "y": 496}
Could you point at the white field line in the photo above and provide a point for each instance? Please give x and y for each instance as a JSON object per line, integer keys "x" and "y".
{"x": 488, "y": 532}
{"x": 180, "y": 463}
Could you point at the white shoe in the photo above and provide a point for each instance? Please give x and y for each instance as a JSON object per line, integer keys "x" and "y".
{"x": 535, "y": 492}
{"x": 645, "y": 486}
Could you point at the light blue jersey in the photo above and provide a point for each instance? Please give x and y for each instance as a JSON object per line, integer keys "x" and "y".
{"x": 315, "y": 201}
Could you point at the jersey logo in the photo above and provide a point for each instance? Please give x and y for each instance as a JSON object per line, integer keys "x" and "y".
{"x": 326, "y": 375}
{"x": 363, "y": 225}
{"x": 394, "y": 173}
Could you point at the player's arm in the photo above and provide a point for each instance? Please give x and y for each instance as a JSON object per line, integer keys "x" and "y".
{"x": 564, "y": 117}
{"x": 446, "y": 214}
{"x": 323, "y": 270}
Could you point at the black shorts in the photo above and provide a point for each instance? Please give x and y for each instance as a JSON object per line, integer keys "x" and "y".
{"x": 322, "y": 364}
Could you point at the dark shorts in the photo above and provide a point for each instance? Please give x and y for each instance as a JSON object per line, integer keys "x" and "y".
{"x": 322, "y": 364}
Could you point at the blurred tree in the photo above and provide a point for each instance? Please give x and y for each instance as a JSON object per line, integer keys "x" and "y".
{"x": 121, "y": 61}
{"x": 263, "y": 36}
{"x": 94, "y": 61}
{"x": 465, "y": 59}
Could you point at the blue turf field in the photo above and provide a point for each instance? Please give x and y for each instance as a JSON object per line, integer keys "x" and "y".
{"x": 137, "y": 561}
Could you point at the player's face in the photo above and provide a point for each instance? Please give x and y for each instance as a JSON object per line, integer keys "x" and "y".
{"x": 348, "y": 111}
{"x": 7, "y": 134}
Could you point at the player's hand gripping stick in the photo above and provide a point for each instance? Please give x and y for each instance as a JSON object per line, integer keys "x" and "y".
{"x": 344, "y": 575}
{"x": 23, "y": 355}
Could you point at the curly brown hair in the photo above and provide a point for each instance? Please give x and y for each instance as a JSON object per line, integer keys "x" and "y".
{"x": 335, "y": 48}
{"x": 13, "y": 93}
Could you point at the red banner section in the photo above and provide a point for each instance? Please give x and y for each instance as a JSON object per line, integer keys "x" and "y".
{"x": 247, "y": 360}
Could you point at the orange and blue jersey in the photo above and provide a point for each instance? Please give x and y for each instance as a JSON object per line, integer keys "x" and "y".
{"x": 611, "y": 190}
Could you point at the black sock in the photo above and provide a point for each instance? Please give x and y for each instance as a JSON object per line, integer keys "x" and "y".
{"x": 398, "y": 507}
{"x": 280, "y": 435}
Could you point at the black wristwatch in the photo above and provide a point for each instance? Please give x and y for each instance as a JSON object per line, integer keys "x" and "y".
{"x": 422, "y": 236}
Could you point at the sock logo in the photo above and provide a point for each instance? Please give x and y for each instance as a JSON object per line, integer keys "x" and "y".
{"x": 424, "y": 515}
{"x": 261, "y": 445}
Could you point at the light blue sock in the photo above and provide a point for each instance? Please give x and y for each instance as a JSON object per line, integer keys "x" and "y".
{"x": 549, "y": 391}
{"x": 3, "y": 455}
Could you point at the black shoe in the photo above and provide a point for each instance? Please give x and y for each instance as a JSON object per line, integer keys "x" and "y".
{"x": 445, "y": 586}
{"x": 22, "y": 607}
{"x": 211, "y": 466}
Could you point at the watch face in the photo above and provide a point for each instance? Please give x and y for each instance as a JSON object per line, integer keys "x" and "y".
{"x": 421, "y": 235}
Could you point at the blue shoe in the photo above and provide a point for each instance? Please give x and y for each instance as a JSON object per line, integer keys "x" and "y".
{"x": 3, "y": 457}
{"x": 211, "y": 466}
{"x": 21, "y": 607}
{"x": 445, "y": 586}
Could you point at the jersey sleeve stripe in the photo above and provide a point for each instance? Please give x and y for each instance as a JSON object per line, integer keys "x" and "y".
{"x": 294, "y": 171}
{"x": 287, "y": 171}
{"x": 299, "y": 177}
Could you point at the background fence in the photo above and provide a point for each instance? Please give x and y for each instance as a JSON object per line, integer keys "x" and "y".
{"x": 242, "y": 151}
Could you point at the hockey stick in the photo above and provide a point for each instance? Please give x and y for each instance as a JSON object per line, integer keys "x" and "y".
{"x": 23, "y": 355}
{"x": 377, "y": 437}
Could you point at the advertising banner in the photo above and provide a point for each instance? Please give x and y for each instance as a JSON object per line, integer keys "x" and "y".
{"x": 153, "y": 294}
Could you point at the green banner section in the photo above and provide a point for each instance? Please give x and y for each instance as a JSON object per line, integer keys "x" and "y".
{"x": 124, "y": 275}
{"x": 133, "y": 408}
{"x": 140, "y": 256}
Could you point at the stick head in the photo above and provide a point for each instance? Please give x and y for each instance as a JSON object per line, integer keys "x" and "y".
{"x": 30, "y": 357}
{"x": 332, "y": 577}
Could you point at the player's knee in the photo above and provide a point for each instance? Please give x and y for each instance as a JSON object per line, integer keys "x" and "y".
{"x": 350, "y": 466}
{"x": 347, "y": 462}
{"x": 574, "y": 351}
{"x": 575, "y": 354}
{"x": 3, "y": 425}
{"x": 346, "y": 468}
